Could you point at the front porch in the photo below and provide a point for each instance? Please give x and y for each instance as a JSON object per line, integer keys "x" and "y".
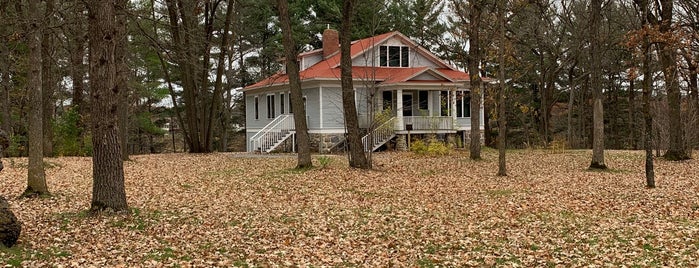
{"x": 421, "y": 111}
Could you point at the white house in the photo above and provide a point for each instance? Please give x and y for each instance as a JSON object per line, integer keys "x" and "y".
{"x": 400, "y": 88}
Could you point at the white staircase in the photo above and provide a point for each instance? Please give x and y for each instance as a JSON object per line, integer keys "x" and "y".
{"x": 379, "y": 136}
{"x": 273, "y": 134}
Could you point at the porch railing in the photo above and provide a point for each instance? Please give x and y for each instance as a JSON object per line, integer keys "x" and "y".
{"x": 429, "y": 122}
{"x": 273, "y": 134}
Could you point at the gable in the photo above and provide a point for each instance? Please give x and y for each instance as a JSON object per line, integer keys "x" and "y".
{"x": 426, "y": 76}
{"x": 418, "y": 56}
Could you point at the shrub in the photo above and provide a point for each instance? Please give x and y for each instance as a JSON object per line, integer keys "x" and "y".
{"x": 432, "y": 147}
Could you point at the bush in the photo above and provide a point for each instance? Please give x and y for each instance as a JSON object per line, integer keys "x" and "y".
{"x": 432, "y": 147}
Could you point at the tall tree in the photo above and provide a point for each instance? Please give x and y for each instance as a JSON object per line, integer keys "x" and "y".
{"x": 215, "y": 108}
{"x": 120, "y": 52}
{"x": 292, "y": 70}
{"x": 75, "y": 33}
{"x": 36, "y": 177}
{"x": 595, "y": 83}
{"x": 668, "y": 61}
{"x": 357, "y": 158}
{"x": 108, "y": 190}
{"x": 474, "y": 61}
{"x": 645, "y": 32}
{"x": 48, "y": 78}
{"x": 502, "y": 102}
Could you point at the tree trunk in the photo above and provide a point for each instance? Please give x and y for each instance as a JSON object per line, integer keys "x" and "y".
{"x": 595, "y": 81}
{"x": 36, "y": 178}
{"x": 647, "y": 92}
{"x": 215, "y": 107}
{"x": 76, "y": 43}
{"x": 632, "y": 114}
{"x": 292, "y": 69}
{"x": 5, "y": 86}
{"x": 357, "y": 158}
{"x": 108, "y": 190}
{"x": 122, "y": 76}
{"x": 668, "y": 61}
{"x": 181, "y": 37}
{"x": 474, "y": 54}
{"x": 571, "y": 105}
{"x": 502, "y": 102}
{"x": 48, "y": 81}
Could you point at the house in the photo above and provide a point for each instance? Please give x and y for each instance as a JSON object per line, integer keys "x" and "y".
{"x": 401, "y": 89}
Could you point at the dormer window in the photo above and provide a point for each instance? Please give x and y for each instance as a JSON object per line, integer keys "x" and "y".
{"x": 394, "y": 56}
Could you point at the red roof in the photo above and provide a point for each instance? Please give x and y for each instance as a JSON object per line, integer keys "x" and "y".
{"x": 329, "y": 69}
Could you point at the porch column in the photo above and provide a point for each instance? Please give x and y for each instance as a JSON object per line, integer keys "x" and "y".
{"x": 452, "y": 100}
{"x": 399, "y": 110}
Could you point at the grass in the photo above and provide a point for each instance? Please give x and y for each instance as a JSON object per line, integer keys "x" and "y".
{"x": 217, "y": 210}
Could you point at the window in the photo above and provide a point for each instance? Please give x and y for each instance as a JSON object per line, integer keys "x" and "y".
{"x": 422, "y": 97}
{"x": 387, "y": 100}
{"x": 394, "y": 56}
{"x": 257, "y": 108}
{"x": 463, "y": 104}
{"x": 270, "y": 106}
{"x": 444, "y": 103}
{"x": 281, "y": 103}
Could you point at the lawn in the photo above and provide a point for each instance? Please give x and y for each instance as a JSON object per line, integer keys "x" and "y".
{"x": 238, "y": 210}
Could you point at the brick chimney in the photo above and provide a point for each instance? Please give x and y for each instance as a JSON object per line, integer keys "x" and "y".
{"x": 331, "y": 42}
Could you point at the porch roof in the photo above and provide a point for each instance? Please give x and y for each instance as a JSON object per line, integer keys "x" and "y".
{"x": 384, "y": 76}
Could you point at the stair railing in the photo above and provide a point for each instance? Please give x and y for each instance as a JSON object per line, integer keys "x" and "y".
{"x": 273, "y": 133}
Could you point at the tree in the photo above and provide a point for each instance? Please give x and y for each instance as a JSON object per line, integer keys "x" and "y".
{"x": 595, "y": 83}
{"x": 48, "y": 79}
{"x": 644, "y": 32}
{"x": 357, "y": 158}
{"x": 108, "y": 190}
{"x": 502, "y": 103}
{"x": 292, "y": 70}
{"x": 474, "y": 61}
{"x": 668, "y": 60}
{"x": 36, "y": 178}
{"x": 120, "y": 52}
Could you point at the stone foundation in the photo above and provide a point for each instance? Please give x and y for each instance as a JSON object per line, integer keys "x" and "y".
{"x": 467, "y": 138}
{"x": 323, "y": 142}
{"x": 401, "y": 143}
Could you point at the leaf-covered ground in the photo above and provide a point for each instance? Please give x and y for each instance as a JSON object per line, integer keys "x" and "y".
{"x": 237, "y": 210}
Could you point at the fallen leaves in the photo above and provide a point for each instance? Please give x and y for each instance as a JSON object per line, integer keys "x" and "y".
{"x": 240, "y": 210}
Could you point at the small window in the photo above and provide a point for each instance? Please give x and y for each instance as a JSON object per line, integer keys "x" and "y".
{"x": 257, "y": 108}
{"x": 281, "y": 103}
{"x": 270, "y": 106}
{"x": 422, "y": 99}
{"x": 404, "y": 55}
{"x": 394, "y": 56}
{"x": 383, "y": 55}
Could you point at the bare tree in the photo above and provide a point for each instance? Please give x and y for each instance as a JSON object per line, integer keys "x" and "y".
{"x": 668, "y": 61}
{"x": 595, "y": 83}
{"x": 502, "y": 102}
{"x": 474, "y": 61}
{"x": 49, "y": 80}
{"x": 292, "y": 70}
{"x": 36, "y": 178}
{"x": 108, "y": 190}
{"x": 357, "y": 158}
